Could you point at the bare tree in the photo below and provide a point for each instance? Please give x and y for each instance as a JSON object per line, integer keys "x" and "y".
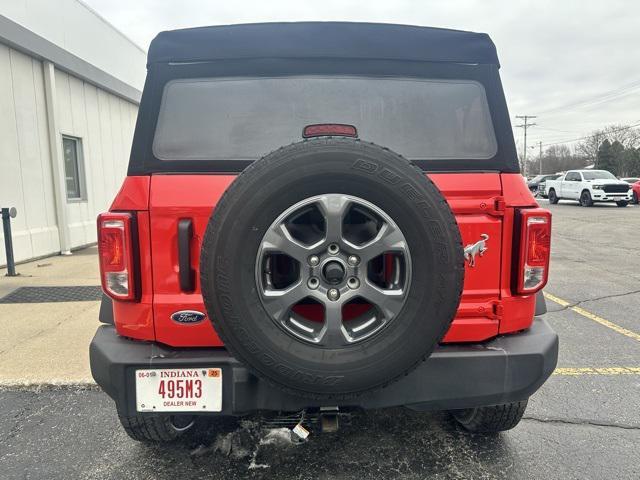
{"x": 558, "y": 158}
{"x": 589, "y": 147}
{"x": 627, "y": 136}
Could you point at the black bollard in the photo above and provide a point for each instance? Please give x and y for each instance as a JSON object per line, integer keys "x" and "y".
{"x": 7, "y": 215}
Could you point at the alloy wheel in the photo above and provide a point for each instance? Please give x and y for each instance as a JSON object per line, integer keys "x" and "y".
{"x": 333, "y": 270}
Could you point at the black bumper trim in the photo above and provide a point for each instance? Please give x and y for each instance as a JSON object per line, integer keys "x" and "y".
{"x": 506, "y": 369}
{"x": 106, "y": 310}
{"x": 541, "y": 304}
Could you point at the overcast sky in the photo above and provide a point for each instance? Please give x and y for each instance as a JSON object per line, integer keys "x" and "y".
{"x": 574, "y": 63}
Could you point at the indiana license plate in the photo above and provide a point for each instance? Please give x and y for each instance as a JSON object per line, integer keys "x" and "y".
{"x": 179, "y": 390}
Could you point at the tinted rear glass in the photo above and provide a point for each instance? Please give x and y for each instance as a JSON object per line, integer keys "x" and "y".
{"x": 246, "y": 118}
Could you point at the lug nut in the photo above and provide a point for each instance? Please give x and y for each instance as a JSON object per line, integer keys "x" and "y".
{"x": 314, "y": 260}
{"x": 353, "y": 260}
{"x": 333, "y": 294}
{"x": 333, "y": 249}
{"x": 313, "y": 283}
{"x": 353, "y": 283}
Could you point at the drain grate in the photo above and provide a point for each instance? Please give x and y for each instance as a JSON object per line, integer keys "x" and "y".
{"x": 54, "y": 294}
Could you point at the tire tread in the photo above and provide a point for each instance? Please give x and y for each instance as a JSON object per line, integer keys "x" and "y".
{"x": 492, "y": 419}
{"x": 153, "y": 429}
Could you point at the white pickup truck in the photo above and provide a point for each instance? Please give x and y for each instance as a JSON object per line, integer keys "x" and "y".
{"x": 589, "y": 186}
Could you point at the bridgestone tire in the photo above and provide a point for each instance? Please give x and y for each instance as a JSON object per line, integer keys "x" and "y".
{"x": 553, "y": 198}
{"x": 281, "y": 179}
{"x": 154, "y": 429}
{"x": 496, "y": 418}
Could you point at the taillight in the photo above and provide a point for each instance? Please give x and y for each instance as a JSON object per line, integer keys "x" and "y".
{"x": 535, "y": 250}
{"x": 115, "y": 249}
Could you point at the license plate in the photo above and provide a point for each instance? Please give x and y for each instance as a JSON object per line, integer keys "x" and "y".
{"x": 179, "y": 390}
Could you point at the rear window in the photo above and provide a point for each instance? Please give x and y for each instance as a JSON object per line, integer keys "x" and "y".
{"x": 245, "y": 118}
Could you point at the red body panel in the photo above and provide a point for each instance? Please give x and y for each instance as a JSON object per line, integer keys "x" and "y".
{"x": 516, "y": 192}
{"x": 135, "y": 319}
{"x": 133, "y": 195}
{"x": 174, "y": 197}
{"x": 473, "y": 197}
{"x": 482, "y": 202}
{"x": 517, "y": 311}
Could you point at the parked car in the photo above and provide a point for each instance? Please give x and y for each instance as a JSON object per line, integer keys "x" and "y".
{"x": 536, "y": 182}
{"x": 589, "y": 186}
{"x": 542, "y": 185}
{"x": 635, "y": 188}
{"x": 331, "y": 273}
{"x": 635, "y": 192}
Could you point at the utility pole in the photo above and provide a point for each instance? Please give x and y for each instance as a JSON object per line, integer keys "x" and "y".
{"x": 525, "y": 125}
{"x": 540, "y": 156}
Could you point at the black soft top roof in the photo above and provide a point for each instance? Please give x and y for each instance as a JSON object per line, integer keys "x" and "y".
{"x": 323, "y": 40}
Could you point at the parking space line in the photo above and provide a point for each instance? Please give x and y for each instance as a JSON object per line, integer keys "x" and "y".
{"x": 572, "y": 371}
{"x": 593, "y": 316}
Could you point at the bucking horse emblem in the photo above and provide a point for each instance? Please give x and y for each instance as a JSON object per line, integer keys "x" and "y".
{"x": 473, "y": 249}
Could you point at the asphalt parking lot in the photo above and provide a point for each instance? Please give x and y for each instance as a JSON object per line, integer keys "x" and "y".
{"x": 583, "y": 423}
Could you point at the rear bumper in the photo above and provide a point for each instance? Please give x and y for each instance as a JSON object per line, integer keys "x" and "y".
{"x": 506, "y": 369}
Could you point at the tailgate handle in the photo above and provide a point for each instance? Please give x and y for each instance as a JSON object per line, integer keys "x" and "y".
{"x": 185, "y": 233}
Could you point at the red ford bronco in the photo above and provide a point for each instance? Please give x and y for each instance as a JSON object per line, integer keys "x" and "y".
{"x": 321, "y": 217}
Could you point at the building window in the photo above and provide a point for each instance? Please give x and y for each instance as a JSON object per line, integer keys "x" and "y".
{"x": 73, "y": 168}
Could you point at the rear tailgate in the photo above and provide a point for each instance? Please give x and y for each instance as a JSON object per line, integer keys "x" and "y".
{"x": 176, "y": 197}
{"x": 477, "y": 202}
{"x": 474, "y": 197}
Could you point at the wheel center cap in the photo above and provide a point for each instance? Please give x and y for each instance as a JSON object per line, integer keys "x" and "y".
{"x": 333, "y": 272}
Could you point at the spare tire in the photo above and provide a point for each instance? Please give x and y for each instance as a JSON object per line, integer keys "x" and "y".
{"x": 331, "y": 267}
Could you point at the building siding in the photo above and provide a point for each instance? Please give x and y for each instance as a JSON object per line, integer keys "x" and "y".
{"x": 79, "y": 30}
{"x": 104, "y": 122}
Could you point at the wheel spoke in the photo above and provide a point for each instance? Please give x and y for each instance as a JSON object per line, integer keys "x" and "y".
{"x": 333, "y": 208}
{"x": 388, "y": 239}
{"x": 333, "y": 334}
{"x": 279, "y": 239}
{"x": 278, "y": 302}
{"x": 388, "y": 302}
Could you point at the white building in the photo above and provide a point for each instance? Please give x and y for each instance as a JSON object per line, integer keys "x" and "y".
{"x": 70, "y": 86}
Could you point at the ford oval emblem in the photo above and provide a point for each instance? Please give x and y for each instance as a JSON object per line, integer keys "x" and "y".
{"x": 188, "y": 316}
